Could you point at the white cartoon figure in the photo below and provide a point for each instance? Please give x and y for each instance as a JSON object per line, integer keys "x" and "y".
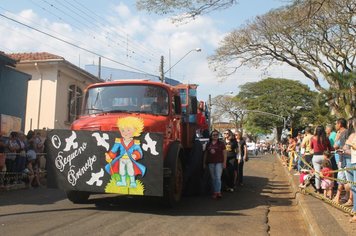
{"x": 95, "y": 178}
{"x": 70, "y": 142}
{"x": 101, "y": 141}
{"x": 151, "y": 144}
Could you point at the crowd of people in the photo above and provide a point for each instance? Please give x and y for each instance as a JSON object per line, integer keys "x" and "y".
{"x": 326, "y": 159}
{"x": 20, "y": 159}
{"x": 225, "y": 160}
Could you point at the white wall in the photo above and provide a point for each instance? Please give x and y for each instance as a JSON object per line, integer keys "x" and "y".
{"x": 52, "y": 99}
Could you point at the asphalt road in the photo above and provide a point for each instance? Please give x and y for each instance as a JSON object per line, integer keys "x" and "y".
{"x": 265, "y": 205}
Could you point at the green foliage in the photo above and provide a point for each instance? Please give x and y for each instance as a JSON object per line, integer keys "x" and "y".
{"x": 343, "y": 95}
{"x": 282, "y": 97}
{"x": 316, "y": 37}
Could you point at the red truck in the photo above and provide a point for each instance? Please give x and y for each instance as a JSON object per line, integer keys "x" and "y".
{"x": 134, "y": 137}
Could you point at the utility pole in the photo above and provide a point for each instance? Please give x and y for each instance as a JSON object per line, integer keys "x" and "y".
{"x": 99, "y": 68}
{"x": 210, "y": 113}
{"x": 161, "y": 69}
{"x": 170, "y": 72}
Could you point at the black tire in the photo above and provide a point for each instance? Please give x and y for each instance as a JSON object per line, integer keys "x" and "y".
{"x": 78, "y": 196}
{"x": 173, "y": 185}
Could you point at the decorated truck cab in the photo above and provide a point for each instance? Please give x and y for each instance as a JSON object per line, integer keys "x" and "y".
{"x": 132, "y": 138}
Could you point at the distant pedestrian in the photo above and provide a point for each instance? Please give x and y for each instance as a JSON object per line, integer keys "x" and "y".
{"x": 330, "y": 133}
{"x": 306, "y": 148}
{"x": 347, "y": 159}
{"x": 229, "y": 175}
{"x": 340, "y": 139}
{"x": 241, "y": 156}
{"x": 21, "y": 156}
{"x": 351, "y": 142}
{"x": 13, "y": 148}
{"x": 2, "y": 159}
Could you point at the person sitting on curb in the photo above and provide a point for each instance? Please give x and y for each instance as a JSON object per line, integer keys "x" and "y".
{"x": 32, "y": 171}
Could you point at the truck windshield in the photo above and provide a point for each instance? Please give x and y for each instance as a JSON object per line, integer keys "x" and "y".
{"x": 126, "y": 98}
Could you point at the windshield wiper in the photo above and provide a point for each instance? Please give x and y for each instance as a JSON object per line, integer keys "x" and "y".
{"x": 94, "y": 109}
{"x": 119, "y": 111}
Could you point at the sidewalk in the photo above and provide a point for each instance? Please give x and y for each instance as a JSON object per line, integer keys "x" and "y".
{"x": 322, "y": 219}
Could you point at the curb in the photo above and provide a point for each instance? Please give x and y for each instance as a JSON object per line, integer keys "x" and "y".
{"x": 12, "y": 187}
{"x": 23, "y": 185}
{"x": 312, "y": 225}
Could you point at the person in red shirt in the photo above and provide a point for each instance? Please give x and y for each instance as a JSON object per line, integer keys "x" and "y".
{"x": 319, "y": 144}
{"x": 202, "y": 123}
{"x": 215, "y": 157}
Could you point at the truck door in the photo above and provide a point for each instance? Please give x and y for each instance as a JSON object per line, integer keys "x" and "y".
{"x": 177, "y": 118}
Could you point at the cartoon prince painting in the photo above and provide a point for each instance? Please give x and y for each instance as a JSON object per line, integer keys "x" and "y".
{"x": 124, "y": 155}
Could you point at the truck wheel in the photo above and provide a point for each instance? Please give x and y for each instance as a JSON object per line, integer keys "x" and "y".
{"x": 78, "y": 196}
{"x": 174, "y": 184}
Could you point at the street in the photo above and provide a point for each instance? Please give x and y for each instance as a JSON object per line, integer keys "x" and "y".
{"x": 265, "y": 205}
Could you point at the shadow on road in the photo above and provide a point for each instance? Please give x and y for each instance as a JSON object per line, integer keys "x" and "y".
{"x": 35, "y": 196}
{"x": 251, "y": 195}
{"x": 256, "y": 193}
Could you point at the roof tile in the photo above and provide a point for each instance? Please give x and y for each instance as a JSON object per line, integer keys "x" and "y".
{"x": 36, "y": 56}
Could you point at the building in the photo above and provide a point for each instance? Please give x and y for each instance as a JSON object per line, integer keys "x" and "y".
{"x": 55, "y": 92}
{"x": 221, "y": 126}
{"x": 13, "y": 95}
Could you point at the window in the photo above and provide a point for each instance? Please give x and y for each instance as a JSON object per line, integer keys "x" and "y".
{"x": 75, "y": 96}
{"x": 129, "y": 98}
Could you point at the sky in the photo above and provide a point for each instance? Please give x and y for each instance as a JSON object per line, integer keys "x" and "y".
{"x": 135, "y": 40}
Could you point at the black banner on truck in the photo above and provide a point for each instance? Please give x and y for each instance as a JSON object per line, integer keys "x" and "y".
{"x": 105, "y": 162}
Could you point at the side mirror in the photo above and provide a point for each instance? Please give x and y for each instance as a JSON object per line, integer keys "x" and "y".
{"x": 194, "y": 105}
{"x": 177, "y": 105}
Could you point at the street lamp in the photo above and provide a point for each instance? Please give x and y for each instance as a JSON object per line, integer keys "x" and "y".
{"x": 196, "y": 50}
{"x": 271, "y": 114}
{"x": 229, "y": 93}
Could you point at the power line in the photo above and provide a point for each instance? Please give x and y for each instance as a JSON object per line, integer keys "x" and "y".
{"x": 94, "y": 37}
{"x": 41, "y": 42}
{"x": 103, "y": 19}
{"x": 48, "y": 29}
{"x": 18, "y": 31}
{"x": 88, "y": 18}
{"x": 62, "y": 19}
{"x": 74, "y": 45}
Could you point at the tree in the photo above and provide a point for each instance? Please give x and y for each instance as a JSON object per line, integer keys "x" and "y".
{"x": 190, "y": 9}
{"x": 281, "y": 97}
{"x": 227, "y": 107}
{"x": 321, "y": 45}
{"x": 184, "y": 9}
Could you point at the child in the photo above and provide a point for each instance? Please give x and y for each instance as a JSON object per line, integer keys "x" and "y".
{"x": 305, "y": 177}
{"x": 326, "y": 171}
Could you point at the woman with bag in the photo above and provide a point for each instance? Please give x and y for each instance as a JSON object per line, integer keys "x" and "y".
{"x": 229, "y": 173}
{"x": 319, "y": 144}
{"x": 215, "y": 157}
{"x": 241, "y": 157}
